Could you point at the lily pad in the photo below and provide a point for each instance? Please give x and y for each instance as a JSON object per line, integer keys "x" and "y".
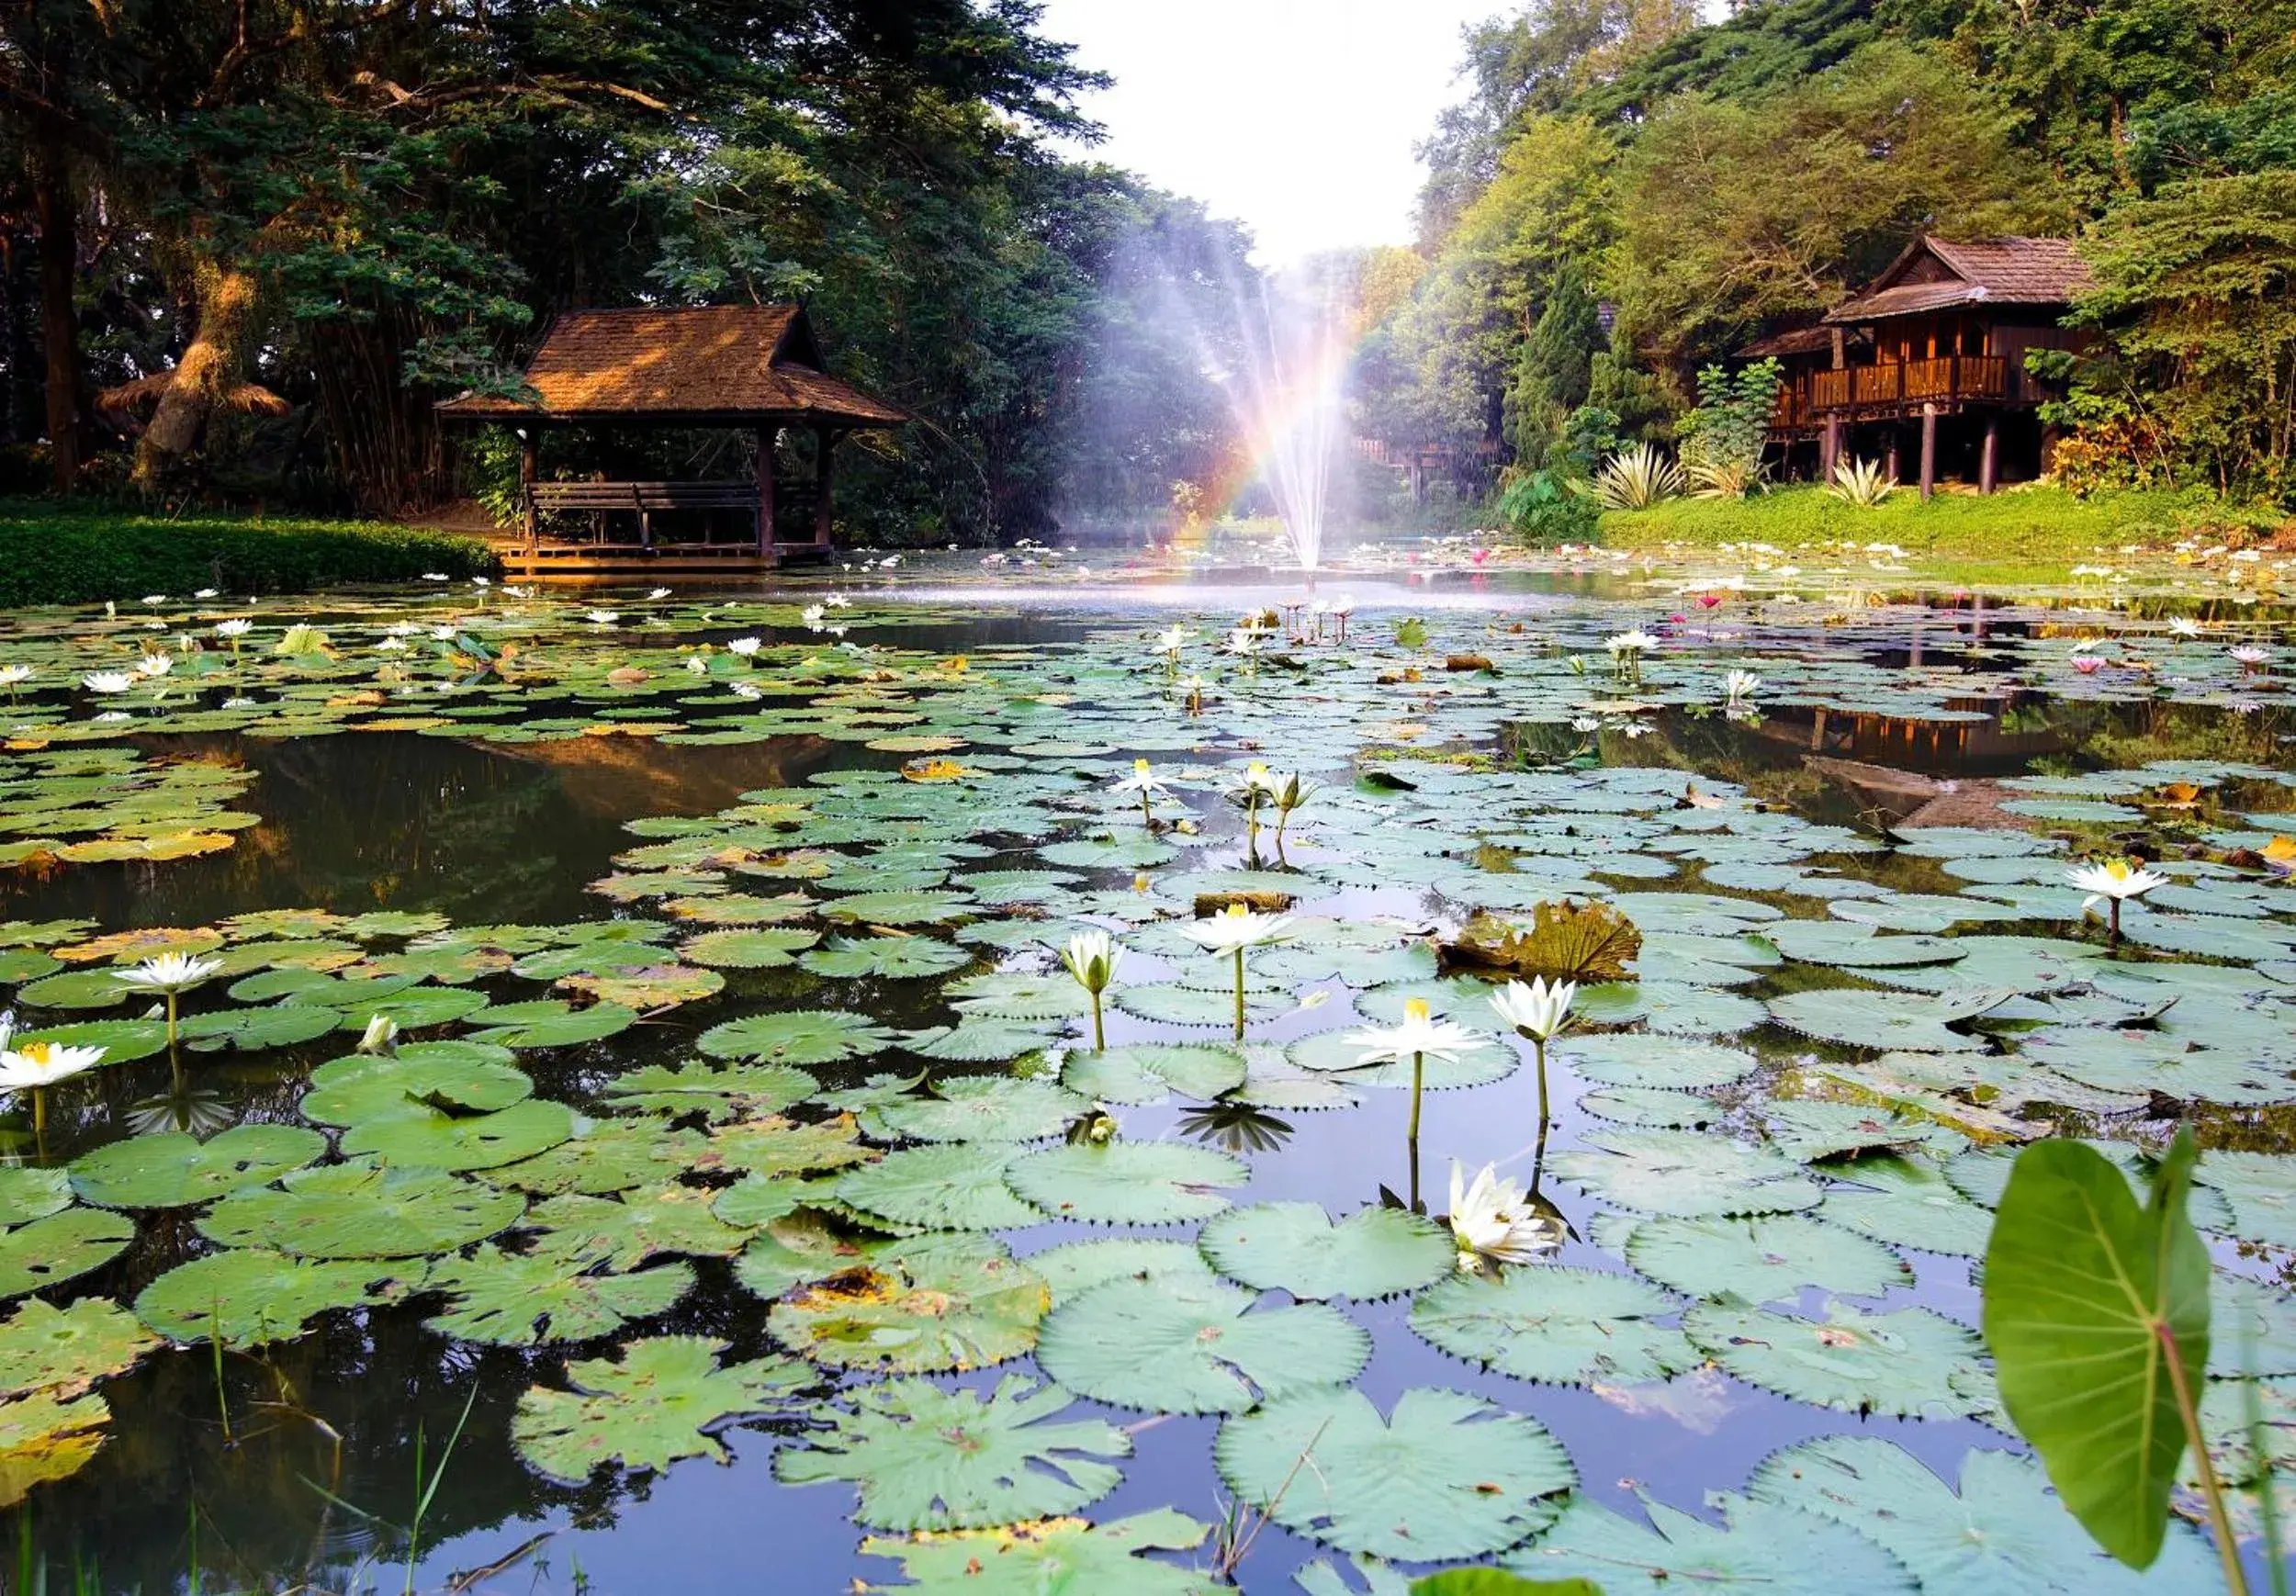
{"x": 361, "y": 1210}
{"x": 1679, "y": 1172}
{"x": 1768, "y": 1258}
{"x": 1029, "y": 1559}
{"x": 916, "y": 1307}
{"x": 979, "y": 1108}
{"x": 60, "y": 1247}
{"x": 816, "y": 1036}
{"x": 1758, "y": 1547}
{"x": 1445, "y": 1475}
{"x": 173, "y": 1170}
{"x": 513, "y": 1300}
{"x": 66, "y": 1350}
{"x": 924, "y": 1458}
{"x": 1565, "y": 1326}
{"x": 742, "y": 1092}
{"x": 652, "y": 1407}
{"x": 1295, "y": 1247}
{"x": 1910, "y": 1362}
{"x": 1172, "y": 1344}
{"x": 1147, "y": 1073}
{"x": 251, "y": 1295}
{"x": 429, "y": 1139}
{"x": 952, "y": 1186}
{"x": 1127, "y": 1183}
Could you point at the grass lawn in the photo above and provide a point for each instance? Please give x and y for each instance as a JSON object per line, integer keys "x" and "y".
{"x": 57, "y": 552}
{"x": 2032, "y": 533}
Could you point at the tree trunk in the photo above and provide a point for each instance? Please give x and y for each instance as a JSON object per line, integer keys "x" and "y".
{"x": 225, "y": 296}
{"x": 388, "y": 446}
{"x": 59, "y": 314}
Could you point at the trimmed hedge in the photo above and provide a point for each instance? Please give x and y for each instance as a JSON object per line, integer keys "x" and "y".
{"x": 52, "y": 553}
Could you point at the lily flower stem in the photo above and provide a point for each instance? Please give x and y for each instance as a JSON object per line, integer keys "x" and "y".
{"x": 1540, "y": 1047}
{"x": 39, "y": 1112}
{"x": 2112, "y": 936}
{"x": 1418, "y": 1080}
{"x": 1100, "y": 1040}
{"x": 1147, "y": 815}
{"x": 1239, "y": 994}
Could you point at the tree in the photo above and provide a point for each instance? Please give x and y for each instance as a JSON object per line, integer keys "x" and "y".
{"x": 1735, "y": 212}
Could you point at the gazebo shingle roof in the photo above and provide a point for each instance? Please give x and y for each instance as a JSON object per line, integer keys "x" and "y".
{"x": 704, "y": 364}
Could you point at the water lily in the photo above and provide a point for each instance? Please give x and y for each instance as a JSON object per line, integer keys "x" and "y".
{"x": 2087, "y": 664}
{"x": 814, "y": 615}
{"x": 602, "y": 617}
{"x": 1256, "y": 789}
{"x": 2248, "y": 654}
{"x": 36, "y": 1066}
{"x": 1232, "y": 931}
{"x": 746, "y": 647}
{"x": 13, "y": 677}
{"x": 172, "y": 974}
{"x": 1627, "y": 649}
{"x": 2184, "y": 626}
{"x": 1741, "y": 685}
{"x": 1092, "y": 957}
{"x": 156, "y": 599}
{"x": 381, "y": 1035}
{"x": 1194, "y": 686}
{"x": 696, "y": 664}
{"x": 107, "y": 681}
{"x": 236, "y": 626}
{"x": 1492, "y": 1223}
{"x": 657, "y": 595}
{"x": 1288, "y": 791}
{"x": 2114, "y": 882}
{"x": 1169, "y": 642}
{"x": 434, "y": 576}
{"x": 154, "y": 666}
{"x": 838, "y": 601}
{"x": 1418, "y": 1036}
{"x": 1539, "y": 1011}
{"x": 1144, "y": 781}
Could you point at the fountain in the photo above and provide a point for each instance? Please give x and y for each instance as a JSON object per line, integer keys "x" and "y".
{"x": 1287, "y": 397}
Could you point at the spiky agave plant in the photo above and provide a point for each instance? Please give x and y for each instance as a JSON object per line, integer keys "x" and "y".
{"x": 1726, "y": 479}
{"x": 1864, "y": 483}
{"x": 1637, "y": 478}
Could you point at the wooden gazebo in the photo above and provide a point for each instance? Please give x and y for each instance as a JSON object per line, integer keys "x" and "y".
{"x": 752, "y": 367}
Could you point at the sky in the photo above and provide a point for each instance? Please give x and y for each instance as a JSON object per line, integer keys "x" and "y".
{"x": 1297, "y": 117}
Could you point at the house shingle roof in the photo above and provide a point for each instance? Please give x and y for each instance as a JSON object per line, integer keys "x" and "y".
{"x": 717, "y": 364}
{"x": 2004, "y": 271}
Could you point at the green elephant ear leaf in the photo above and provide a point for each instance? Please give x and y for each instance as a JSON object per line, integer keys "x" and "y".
{"x": 926, "y": 1458}
{"x": 649, "y": 1409}
{"x": 2087, "y": 1300}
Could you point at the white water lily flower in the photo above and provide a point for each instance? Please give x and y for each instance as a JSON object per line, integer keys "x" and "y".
{"x": 2184, "y": 625}
{"x": 744, "y": 646}
{"x": 1634, "y": 642}
{"x": 602, "y": 617}
{"x": 155, "y": 598}
{"x": 1420, "y": 1036}
{"x": 696, "y": 664}
{"x": 482, "y": 582}
{"x": 1172, "y": 639}
{"x": 12, "y": 675}
{"x": 813, "y": 615}
{"x": 1236, "y": 927}
{"x": 1092, "y": 957}
{"x": 204, "y": 593}
{"x": 434, "y": 576}
{"x": 168, "y": 972}
{"x": 38, "y": 1064}
{"x": 1538, "y": 1010}
{"x": 2252, "y": 654}
{"x": 392, "y": 645}
{"x": 107, "y": 681}
{"x": 381, "y": 1035}
{"x": 518, "y": 593}
{"x": 1493, "y": 1222}
{"x": 1241, "y": 642}
{"x": 155, "y": 665}
{"x": 2114, "y": 881}
{"x": 657, "y": 595}
{"x": 1741, "y": 685}
{"x": 443, "y": 634}
{"x": 237, "y": 627}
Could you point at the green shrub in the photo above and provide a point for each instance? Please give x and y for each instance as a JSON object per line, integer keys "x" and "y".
{"x": 60, "y": 553}
{"x": 1542, "y": 507}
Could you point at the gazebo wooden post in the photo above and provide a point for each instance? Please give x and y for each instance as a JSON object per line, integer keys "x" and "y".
{"x": 824, "y": 442}
{"x": 768, "y": 437}
{"x": 1989, "y": 459}
{"x": 529, "y": 468}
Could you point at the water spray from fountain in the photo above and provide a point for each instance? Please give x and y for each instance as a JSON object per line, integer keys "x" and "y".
{"x": 1287, "y": 398}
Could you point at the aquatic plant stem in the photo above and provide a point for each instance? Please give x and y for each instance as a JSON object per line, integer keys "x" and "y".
{"x": 2211, "y": 1489}
{"x": 1239, "y": 994}
{"x": 1099, "y": 1038}
{"x": 1418, "y": 1076}
{"x": 171, "y": 1021}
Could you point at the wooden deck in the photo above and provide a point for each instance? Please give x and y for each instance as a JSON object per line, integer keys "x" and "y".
{"x": 547, "y": 559}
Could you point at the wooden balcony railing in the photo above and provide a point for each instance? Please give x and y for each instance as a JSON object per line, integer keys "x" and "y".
{"x": 1899, "y": 383}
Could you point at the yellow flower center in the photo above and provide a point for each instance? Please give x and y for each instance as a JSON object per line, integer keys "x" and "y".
{"x": 1235, "y": 911}
{"x": 36, "y": 1051}
{"x": 2119, "y": 869}
{"x": 1140, "y": 767}
{"x": 1415, "y": 1010}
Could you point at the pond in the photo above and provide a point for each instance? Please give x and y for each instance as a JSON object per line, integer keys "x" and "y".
{"x": 628, "y": 1124}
